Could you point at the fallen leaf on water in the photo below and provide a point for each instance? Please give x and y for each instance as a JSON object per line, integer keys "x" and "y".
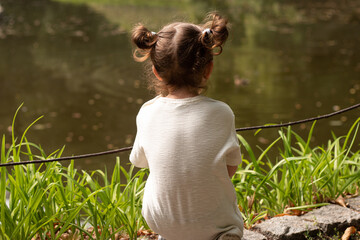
{"x": 348, "y": 232}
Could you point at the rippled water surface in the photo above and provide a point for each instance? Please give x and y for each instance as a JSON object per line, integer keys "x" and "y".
{"x": 71, "y": 61}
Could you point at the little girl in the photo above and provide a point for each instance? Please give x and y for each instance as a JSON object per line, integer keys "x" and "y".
{"x": 188, "y": 141}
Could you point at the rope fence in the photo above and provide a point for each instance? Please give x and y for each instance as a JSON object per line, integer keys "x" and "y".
{"x": 300, "y": 121}
{"x": 124, "y": 149}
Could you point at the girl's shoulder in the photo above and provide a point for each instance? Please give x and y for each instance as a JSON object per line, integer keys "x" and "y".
{"x": 218, "y": 105}
{"x": 150, "y": 102}
{"x": 199, "y": 102}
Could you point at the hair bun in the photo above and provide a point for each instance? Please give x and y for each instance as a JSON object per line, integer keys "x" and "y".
{"x": 143, "y": 38}
{"x": 215, "y": 32}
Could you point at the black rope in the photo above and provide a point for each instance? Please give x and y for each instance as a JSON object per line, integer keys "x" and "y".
{"x": 129, "y": 148}
{"x": 300, "y": 121}
{"x": 68, "y": 158}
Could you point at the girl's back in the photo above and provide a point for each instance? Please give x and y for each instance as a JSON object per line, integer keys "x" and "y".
{"x": 188, "y": 141}
{"x": 187, "y": 144}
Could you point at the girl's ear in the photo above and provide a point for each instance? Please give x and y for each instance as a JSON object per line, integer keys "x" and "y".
{"x": 208, "y": 70}
{"x": 156, "y": 74}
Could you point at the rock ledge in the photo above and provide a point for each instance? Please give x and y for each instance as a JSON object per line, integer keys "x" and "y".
{"x": 328, "y": 220}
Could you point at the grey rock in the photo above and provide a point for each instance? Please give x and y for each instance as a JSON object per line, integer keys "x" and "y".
{"x": 287, "y": 227}
{"x": 332, "y": 218}
{"x": 251, "y": 235}
{"x": 354, "y": 203}
{"x": 329, "y": 219}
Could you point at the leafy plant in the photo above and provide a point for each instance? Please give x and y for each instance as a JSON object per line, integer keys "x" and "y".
{"x": 302, "y": 179}
{"x": 48, "y": 200}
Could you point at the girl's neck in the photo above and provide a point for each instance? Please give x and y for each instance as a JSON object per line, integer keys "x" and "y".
{"x": 181, "y": 93}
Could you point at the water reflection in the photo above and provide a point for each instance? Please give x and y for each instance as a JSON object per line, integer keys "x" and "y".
{"x": 73, "y": 64}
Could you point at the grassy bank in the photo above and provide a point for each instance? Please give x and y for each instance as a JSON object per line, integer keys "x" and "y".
{"x": 51, "y": 201}
{"x": 302, "y": 178}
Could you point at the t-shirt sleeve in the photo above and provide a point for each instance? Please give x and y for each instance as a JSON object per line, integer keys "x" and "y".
{"x": 233, "y": 154}
{"x": 137, "y": 155}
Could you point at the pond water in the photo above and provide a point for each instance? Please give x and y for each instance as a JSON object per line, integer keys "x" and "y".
{"x": 71, "y": 61}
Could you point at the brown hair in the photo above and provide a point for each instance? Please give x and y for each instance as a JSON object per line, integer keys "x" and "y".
{"x": 180, "y": 52}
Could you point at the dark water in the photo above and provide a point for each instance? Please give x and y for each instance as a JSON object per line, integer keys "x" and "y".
{"x": 73, "y": 64}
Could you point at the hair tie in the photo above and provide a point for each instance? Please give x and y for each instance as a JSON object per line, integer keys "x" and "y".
{"x": 207, "y": 31}
{"x": 153, "y": 33}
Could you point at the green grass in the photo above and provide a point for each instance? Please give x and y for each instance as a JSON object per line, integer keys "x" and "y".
{"x": 48, "y": 200}
{"x": 302, "y": 178}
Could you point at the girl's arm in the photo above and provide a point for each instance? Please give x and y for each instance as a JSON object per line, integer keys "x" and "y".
{"x": 231, "y": 170}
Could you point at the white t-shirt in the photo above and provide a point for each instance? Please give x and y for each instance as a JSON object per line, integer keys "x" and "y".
{"x": 187, "y": 143}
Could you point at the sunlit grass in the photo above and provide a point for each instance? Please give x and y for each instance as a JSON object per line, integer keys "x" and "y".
{"x": 49, "y": 200}
{"x": 46, "y": 201}
{"x": 301, "y": 179}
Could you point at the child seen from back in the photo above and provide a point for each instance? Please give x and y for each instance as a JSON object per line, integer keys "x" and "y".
{"x": 188, "y": 141}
